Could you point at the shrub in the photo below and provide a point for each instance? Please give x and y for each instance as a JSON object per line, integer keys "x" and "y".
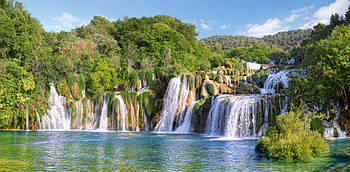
{"x": 317, "y": 125}
{"x": 292, "y": 139}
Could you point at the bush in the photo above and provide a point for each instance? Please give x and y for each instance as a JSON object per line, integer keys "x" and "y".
{"x": 292, "y": 139}
{"x": 317, "y": 125}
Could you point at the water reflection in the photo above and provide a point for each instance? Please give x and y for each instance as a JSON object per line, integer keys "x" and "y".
{"x": 91, "y": 151}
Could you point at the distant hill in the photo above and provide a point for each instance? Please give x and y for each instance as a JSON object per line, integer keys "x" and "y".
{"x": 284, "y": 40}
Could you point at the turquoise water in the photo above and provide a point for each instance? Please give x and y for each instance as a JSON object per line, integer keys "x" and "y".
{"x": 91, "y": 151}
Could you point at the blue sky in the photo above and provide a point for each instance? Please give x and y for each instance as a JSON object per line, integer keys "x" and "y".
{"x": 211, "y": 17}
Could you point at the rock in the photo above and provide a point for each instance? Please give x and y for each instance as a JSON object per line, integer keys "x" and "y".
{"x": 329, "y": 138}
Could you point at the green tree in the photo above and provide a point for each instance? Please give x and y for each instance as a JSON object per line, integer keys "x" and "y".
{"x": 102, "y": 77}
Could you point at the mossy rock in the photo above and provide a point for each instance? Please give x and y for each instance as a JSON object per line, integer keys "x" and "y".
{"x": 200, "y": 114}
{"x": 210, "y": 88}
{"x": 76, "y": 84}
{"x": 63, "y": 89}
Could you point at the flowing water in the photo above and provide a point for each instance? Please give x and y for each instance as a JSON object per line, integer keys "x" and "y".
{"x": 113, "y": 151}
{"x": 275, "y": 80}
{"x": 170, "y": 107}
{"x": 57, "y": 118}
{"x": 185, "y": 127}
{"x": 104, "y": 115}
{"x": 244, "y": 116}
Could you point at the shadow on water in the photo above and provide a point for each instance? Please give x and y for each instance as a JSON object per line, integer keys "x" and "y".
{"x": 97, "y": 151}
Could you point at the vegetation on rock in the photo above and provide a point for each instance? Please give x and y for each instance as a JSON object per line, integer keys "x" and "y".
{"x": 292, "y": 138}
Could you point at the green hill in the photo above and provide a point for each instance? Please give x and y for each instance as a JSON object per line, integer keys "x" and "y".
{"x": 283, "y": 40}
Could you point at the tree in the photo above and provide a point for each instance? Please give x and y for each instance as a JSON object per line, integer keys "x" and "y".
{"x": 335, "y": 20}
{"x": 347, "y": 15}
{"x": 327, "y": 64}
{"x": 102, "y": 77}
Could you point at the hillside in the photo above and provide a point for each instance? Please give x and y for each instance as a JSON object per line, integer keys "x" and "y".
{"x": 284, "y": 40}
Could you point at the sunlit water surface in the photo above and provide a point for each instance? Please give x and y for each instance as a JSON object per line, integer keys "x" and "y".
{"x": 91, "y": 151}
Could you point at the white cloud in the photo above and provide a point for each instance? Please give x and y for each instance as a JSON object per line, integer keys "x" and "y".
{"x": 205, "y": 26}
{"x": 271, "y": 26}
{"x": 303, "y": 9}
{"x": 291, "y": 18}
{"x": 68, "y": 21}
{"x": 323, "y": 14}
{"x": 225, "y": 26}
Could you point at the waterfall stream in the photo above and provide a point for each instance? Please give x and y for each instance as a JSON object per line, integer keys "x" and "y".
{"x": 122, "y": 112}
{"x": 274, "y": 80}
{"x": 170, "y": 106}
{"x": 333, "y": 124}
{"x": 104, "y": 115}
{"x": 185, "y": 127}
{"x": 242, "y": 116}
{"x": 57, "y": 117}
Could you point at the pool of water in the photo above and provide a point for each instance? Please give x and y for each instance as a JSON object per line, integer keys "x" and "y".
{"x": 91, "y": 151}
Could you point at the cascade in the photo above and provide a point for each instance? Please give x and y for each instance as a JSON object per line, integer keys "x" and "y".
{"x": 145, "y": 122}
{"x": 104, "y": 115}
{"x": 329, "y": 127}
{"x": 91, "y": 120}
{"x": 27, "y": 121}
{"x": 57, "y": 117}
{"x": 170, "y": 106}
{"x": 137, "y": 117}
{"x": 185, "y": 127}
{"x": 122, "y": 112}
{"x": 274, "y": 80}
{"x": 237, "y": 116}
{"x": 38, "y": 117}
{"x": 228, "y": 80}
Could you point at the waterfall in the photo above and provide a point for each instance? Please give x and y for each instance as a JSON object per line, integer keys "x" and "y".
{"x": 27, "y": 120}
{"x": 237, "y": 116}
{"x": 38, "y": 118}
{"x": 228, "y": 80}
{"x": 104, "y": 115}
{"x": 185, "y": 127}
{"x": 91, "y": 120}
{"x": 57, "y": 117}
{"x": 145, "y": 122}
{"x": 137, "y": 117}
{"x": 170, "y": 99}
{"x": 274, "y": 80}
{"x": 122, "y": 112}
{"x": 329, "y": 127}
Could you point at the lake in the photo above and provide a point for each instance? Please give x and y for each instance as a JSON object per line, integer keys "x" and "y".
{"x": 107, "y": 151}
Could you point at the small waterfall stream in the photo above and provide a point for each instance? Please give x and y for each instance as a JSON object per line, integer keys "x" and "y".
{"x": 170, "y": 106}
{"x": 122, "y": 112}
{"x": 185, "y": 127}
{"x": 104, "y": 115}
{"x": 272, "y": 83}
{"x": 333, "y": 124}
{"x": 239, "y": 116}
{"x": 57, "y": 117}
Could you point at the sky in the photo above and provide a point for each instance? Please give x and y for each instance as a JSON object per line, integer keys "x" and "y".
{"x": 211, "y": 17}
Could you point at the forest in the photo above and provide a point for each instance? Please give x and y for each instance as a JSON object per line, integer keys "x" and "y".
{"x": 106, "y": 54}
{"x": 282, "y": 40}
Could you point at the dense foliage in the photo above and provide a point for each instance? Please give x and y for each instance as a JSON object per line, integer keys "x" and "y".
{"x": 292, "y": 138}
{"x": 327, "y": 65}
{"x": 258, "y": 52}
{"x": 101, "y": 56}
{"x": 283, "y": 40}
